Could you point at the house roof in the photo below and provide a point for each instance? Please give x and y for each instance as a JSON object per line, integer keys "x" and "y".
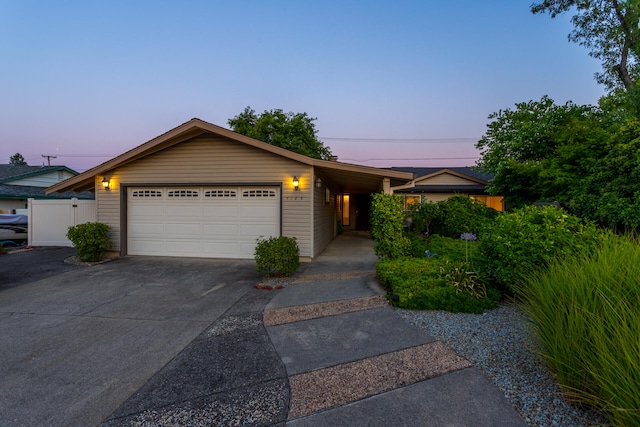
{"x": 8, "y": 191}
{"x": 10, "y": 173}
{"x": 351, "y": 178}
{"x": 478, "y": 189}
{"x": 464, "y": 172}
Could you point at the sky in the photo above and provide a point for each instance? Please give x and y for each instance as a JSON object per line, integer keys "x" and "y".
{"x": 390, "y": 83}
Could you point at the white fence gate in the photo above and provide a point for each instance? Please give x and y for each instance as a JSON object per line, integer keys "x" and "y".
{"x": 49, "y": 220}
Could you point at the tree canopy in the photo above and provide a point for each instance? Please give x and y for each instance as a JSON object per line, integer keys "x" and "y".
{"x": 585, "y": 157}
{"x": 17, "y": 159}
{"x": 293, "y": 131}
{"x": 609, "y": 29}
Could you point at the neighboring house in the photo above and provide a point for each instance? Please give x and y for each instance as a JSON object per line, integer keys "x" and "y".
{"x": 19, "y": 183}
{"x": 436, "y": 184}
{"x": 200, "y": 190}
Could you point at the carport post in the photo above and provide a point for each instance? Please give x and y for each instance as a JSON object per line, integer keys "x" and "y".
{"x": 386, "y": 185}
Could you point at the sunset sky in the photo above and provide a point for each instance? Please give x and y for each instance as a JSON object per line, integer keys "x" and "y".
{"x": 408, "y": 82}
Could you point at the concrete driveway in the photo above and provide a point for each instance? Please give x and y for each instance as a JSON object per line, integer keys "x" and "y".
{"x": 77, "y": 341}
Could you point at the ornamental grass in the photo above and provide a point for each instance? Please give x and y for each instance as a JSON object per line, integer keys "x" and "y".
{"x": 585, "y": 311}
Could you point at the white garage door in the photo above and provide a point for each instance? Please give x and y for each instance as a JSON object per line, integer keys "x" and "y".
{"x": 217, "y": 222}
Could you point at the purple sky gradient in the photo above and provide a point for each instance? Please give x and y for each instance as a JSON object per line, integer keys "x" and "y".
{"x": 409, "y": 82}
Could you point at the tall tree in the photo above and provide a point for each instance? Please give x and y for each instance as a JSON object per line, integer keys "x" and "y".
{"x": 293, "y": 131}
{"x": 17, "y": 159}
{"x": 521, "y": 148}
{"x": 609, "y": 29}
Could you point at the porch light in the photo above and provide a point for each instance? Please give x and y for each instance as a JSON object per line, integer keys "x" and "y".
{"x": 296, "y": 183}
{"x": 105, "y": 183}
{"x": 318, "y": 183}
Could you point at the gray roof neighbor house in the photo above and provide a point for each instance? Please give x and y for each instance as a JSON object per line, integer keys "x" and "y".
{"x": 21, "y": 182}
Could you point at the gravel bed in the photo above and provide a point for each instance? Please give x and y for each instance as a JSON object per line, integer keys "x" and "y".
{"x": 500, "y": 343}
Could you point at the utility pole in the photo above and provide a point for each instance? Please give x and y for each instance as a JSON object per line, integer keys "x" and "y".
{"x": 49, "y": 158}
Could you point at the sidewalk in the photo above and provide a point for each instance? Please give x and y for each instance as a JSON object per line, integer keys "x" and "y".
{"x": 351, "y": 360}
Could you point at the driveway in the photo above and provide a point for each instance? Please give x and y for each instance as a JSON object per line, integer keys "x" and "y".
{"x": 78, "y": 341}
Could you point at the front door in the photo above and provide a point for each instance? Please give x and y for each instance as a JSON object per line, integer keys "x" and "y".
{"x": 363, "y": 211}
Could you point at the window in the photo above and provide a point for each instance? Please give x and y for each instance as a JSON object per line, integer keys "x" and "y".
{"x": 410, "y": 199}
{"x": 345, "y": 210}
{"x": 182, "y": 193}
{"x": 146, "y": 193}
{"x": 220, "y": 193}
{"x": 259, "y": 193}
{"x": 495, "y": 202}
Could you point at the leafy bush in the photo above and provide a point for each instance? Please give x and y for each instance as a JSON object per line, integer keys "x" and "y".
{"x": 90, "y": 239}
{"x": 421, "y": 284}
{"x": 277, "y": 255}
{"x": 443, "y": 247}
{"x": 527, "y": 239}
{"x": 585, "y": 313}
{"x": 461, "y": 214}
{"x": 387, "y": 216}
{"x": 421, "y": 215}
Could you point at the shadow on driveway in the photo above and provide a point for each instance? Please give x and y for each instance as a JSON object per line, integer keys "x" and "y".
{"x": 24, "y": 266}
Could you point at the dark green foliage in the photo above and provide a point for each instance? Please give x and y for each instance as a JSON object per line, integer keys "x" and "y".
{"x": 421, "y": 285}
{"x": 387, "y": 216}
{"x": 452, "y": 217}
{"x": 421, "y": 216}
{"x": 443, "y": 247}
{"x": 17, "y": 159}
{"x": 90, "y": 239}
{"x": 277, "y": 255}
{"x": 527, "y": 239}
{"x": 293, "y": 131}
{"x": 461, "y": 214}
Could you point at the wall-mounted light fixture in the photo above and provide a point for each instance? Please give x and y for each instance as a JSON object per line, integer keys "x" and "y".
{"x": 318, "y": 183}
{"x": 296, "y": 183}
{"x": 106, "y": 183}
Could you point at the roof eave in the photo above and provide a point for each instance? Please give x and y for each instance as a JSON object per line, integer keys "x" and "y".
{"x": 190, "y": 129}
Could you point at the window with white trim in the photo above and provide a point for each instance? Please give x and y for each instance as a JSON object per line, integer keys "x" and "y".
{"x": 146, "y": 193}
{"x": 182, "y": 193}
{"x": 220, "y": 193}
{"x": 259, "y": 193}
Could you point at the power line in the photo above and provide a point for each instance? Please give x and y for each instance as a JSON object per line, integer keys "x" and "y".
{"x": 413, "y": 158}
{"x": 405, "y": 140}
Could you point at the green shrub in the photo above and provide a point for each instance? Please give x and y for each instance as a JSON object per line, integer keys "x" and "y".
{"x": 460, "y": 214}
{"x": 421, "y": 216}
{"x": 387, "y": 216}
{"x": 527, "y": 239}
{"x": 277, "y": 255}
{"x": 443, "y": 247}
{"x": 420, "y": 284}
{"x": 90, "y": 239}
{"x": 585, "y": 313}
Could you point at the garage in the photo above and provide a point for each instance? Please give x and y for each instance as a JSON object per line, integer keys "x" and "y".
{"x": 202, "y": 221}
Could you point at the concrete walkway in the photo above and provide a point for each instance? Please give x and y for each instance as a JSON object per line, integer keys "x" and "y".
{"x": 324, "y": 351}
{"x": 352, "y": 361}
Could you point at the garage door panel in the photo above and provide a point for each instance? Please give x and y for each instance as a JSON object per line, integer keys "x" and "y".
{"x": 220, "y": 249}
{"x": 265, "y": 230}
{"x": 180, "y": 230}
{"x": 201, "y": 221}
{"x": 145, "y": 229}
{"x": 145, "y": 210}
{"x": 146, "y": 246}
{"x": 259, "y": 212}
{"x": 184, "y": 210}
{"x": 220, "y": 230}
